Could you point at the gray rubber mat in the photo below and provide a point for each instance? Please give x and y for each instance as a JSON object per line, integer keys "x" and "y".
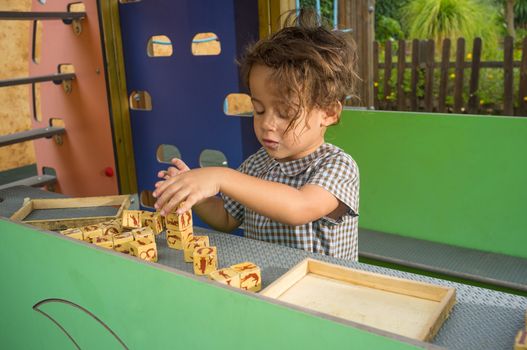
{"x": 497, "y": 269}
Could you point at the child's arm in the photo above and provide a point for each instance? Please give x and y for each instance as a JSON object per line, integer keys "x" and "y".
{"x": 277, "y": 201}
{"x": 211, "y": 209}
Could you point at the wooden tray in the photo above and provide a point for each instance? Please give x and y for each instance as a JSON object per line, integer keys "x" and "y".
{"x": 412, "y": 309}
{"x": 122, "y": 202}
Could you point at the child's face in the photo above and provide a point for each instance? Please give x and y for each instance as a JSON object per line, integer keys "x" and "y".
{"x": 271, "y": 120}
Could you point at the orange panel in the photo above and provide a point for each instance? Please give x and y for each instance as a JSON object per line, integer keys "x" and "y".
{"x": 87, "y": 150}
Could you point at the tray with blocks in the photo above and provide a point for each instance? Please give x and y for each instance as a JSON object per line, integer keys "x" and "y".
{"x": 413, "y": 309}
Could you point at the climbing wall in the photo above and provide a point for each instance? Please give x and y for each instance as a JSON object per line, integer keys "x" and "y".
{"x": 180, "y": 67}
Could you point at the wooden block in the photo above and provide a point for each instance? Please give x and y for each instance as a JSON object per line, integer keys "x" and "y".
{"x": 193, "y": 243}
{"x": 73, "y": 233}
{"x": 121, "y": 238}
{"x": 103, "y": 241}
{"x": 110, "y": 228}
{"x": 152, "y": 220}
{"x": 144, "y": 249}
{"x": 178, "y": 222}
{"x": 226, "y": 276}
{"x": 205, "y": 260}
{"x": 124, "y": 248}
{"x": 520, "y": 343}
{"x": 132, "y": 218}
{"x": 177, "y": 239}
{"x": 91, "y": 231}
{"x": 250, "y": 276}
{"x": 143, "y": 232}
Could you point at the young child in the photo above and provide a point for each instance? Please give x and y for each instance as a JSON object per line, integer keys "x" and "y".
{"x": 296, "y": 190}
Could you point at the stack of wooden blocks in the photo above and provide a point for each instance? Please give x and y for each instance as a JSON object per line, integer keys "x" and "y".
{"x": 197, "y": 250}
{"x": 135, "y": 232}
{"x": 520, "y": 343}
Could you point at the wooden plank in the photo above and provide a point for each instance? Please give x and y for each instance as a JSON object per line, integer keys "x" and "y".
{"x": 23, "y": 212}
{"x": 522, "y": 94}
{"x": 376, "y": 63}
{"x": 415, "y": 75}
{"x": 443, "y": 82}
{"x": 473, "y": 101}
{"x": 508, "y": 80}
{"x": 459, "y": 71}
{"x": 429, "y": 76}
{"x": 410, "y": 308}
{"x": 401, "y": 60}
{"x": 84, "y": 202}
{"x": 387, "y": 74}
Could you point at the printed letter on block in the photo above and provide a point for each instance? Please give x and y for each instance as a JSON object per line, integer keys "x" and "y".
{"x": 177, "y": 239}
{"x": 132, "y": 218}
{"x": 226, "y": 276}
{"x": 193, "y": 243}
{"x": 205, "y": 260}
{"x": 250, "y": 276}
{"x": 144, "y": 249}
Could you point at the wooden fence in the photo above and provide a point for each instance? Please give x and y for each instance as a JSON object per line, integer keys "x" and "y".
{"x": 412, "y": 85}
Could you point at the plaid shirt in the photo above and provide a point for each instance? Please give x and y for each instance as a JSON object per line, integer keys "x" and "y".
{"x": 328, "y": 167}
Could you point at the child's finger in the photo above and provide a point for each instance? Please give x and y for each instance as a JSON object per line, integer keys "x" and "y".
{"x": 165, "y": 192}
{"x": 187, "y": 204}
{"x": 179, "y": 164}
{"x": 173, "y": 203}
{"x": 172, "y": 171}
{"x": 162, "y": 174}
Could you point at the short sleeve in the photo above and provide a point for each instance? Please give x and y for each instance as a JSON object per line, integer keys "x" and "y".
{"x": 338, "y": 174}
{"x": 235, "y": 209}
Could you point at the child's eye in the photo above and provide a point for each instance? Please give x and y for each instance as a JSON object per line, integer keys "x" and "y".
{"x": 258, "y": 112}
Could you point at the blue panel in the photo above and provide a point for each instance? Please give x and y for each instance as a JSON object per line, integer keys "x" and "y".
{"x": 187, "y": 91}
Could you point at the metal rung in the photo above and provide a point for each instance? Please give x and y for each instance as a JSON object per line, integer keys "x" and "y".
{"x": 33, "y": 181}
{"x": 30, "y": 135}
{"x": 67, "y": 17}
{"x": 56, "y": 78}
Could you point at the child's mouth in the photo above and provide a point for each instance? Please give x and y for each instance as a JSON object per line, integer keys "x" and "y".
{"x": 270, "y": 144}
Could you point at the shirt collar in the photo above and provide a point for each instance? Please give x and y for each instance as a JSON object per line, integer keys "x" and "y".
{"x": 297, "y": 166}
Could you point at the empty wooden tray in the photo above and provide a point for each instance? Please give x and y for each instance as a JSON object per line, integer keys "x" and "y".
{"x": 412, "y": 309}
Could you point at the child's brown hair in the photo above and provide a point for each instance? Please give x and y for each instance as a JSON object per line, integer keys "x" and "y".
{"x": 313, "y": 66}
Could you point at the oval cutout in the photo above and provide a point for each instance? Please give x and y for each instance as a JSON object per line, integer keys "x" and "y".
{"x": 211, "y": 157}
{"x": 37, "y": 107}
{"x": 159, "y": 46}
{"x": 66, "y": 68}
{"x": 146, "y": 199}
{"x": 238, "y": 105}
{"x": 76, "y": 7}
{"x": 165, "y": 153}
{"x": 206, "y": 44}
{"x": 140, "y": 101}
{"x": 128, "y": 1}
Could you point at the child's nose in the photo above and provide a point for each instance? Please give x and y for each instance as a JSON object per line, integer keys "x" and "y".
{"x": 269, "y": 121}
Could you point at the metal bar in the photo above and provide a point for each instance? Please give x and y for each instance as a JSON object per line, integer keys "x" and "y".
{"x": 34, "y": 16}
{"x": 34, "y": 181}
{"x": 30, "y": 135}
{"x": 56, "y": 78}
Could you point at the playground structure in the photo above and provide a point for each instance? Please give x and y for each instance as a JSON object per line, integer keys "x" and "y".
{"x": 135, "y": 83}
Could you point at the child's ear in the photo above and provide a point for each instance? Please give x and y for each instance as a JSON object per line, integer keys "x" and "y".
{"x": 332, "y": 114}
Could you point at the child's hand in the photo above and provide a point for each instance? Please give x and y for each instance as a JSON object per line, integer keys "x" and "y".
{"x": 188, "y": 186}
{"x": 178, "y": 168}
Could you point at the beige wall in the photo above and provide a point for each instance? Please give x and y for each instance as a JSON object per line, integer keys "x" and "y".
{"x": 15, "y": 111}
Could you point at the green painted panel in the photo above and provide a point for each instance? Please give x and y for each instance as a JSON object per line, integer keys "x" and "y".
{"x": 454, "y": 179}
{"x": 147, "y": 306}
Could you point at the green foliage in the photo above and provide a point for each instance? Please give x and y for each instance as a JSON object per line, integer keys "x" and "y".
{"x": 388, "y": 29}
{"x": 440, "y": 19}
{"x": 520, "y": 13}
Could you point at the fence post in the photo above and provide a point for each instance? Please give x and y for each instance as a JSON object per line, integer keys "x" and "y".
{"x": 387, "y": 73}
{"x": 474, "y": 77}
{"x": 460, "y": 69}
{"x": 401, "y": 62}
{"x": 522, "y": 94}
{"x": 429, "y": 77}
{"x": 415, "y": 74}
{"x": 376, "y": 63}
{"x": 445, "y": 60}
{"x": 508, "y": 108}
